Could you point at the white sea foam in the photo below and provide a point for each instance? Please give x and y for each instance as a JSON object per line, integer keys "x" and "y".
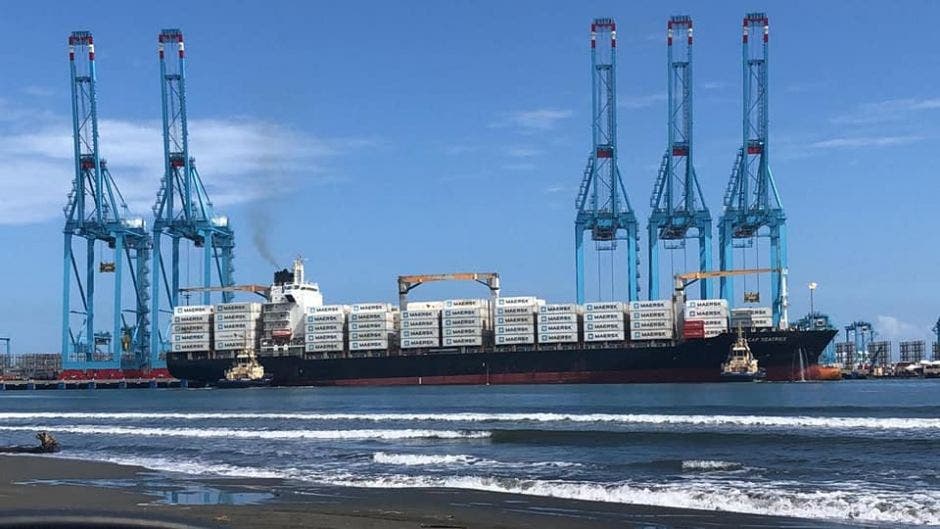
{"x": 746, "y": 497}
{"x": 253, "y": 434}
{"x": 707, "y": 464}
{"x": 848, "y": 423}
{"x": 386, "y": 458}
{"x": 846, "y": 502}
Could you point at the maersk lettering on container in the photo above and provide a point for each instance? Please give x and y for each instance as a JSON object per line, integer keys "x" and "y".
{"x": 558, "y": 318}
{"x": 654, "y": 304}
{"x": 652, "y": 335}
{"x": 191, "y": 337}
{"x": 420, "y": 324}
{"x": 604, "y": 316}
{"x": 412, "y": 343}
{"x": 701, "y": 314}
{"x": 371, "y": 316}
{"x": 368, "y": 345}
{"x": 607, "y": 336}
{"x": 236, "y": 325}
{"x": 517, "y": 301}
{"x": 463, "y": 322}
{"x": 706, "y": 303}
{"x": 419, "y": 333}
{"x": 558, "y": 327}
{"x": 515, "y": 339}
{"x": 605, "y": 306}
{"x": 243, "y": 306}
{"x": 371, "y": 307}
{"x": 465, "y": 304}
{"x": 387, "y": 325}
{"x": 524, "y": 319}
{"x": 556, "y": 337}
{"x": 337, "y": 317}
{"x": 463, "y": 341}
{"x": 184, "y": 328}
{"x": 515, "y": 329}
{"x": 368, "y": 335}
{"x": 193, "y": 318}
{"x": 181, "y": 310}
{"x": 639, "y": 325}
{"x": 320, "y": 347}
{"x": 515, "y": 310}
{"x": 325, "y": 327}
{"x": 653, "y": 314}
{"x": 420, "y": 314}
{"x": 465, "y": 312}
{"x": 325, "y": 337}
{"x": 328, "y": 309}
{"x": 604, "y": 326}
{"x": 463, "y": 331}
{"x": 553, "y": 308}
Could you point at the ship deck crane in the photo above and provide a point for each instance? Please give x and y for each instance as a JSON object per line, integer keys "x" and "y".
{"x": 408, "y": 283}
{"x": 683, "y": 281}
{"x": 261, "y": 290}
{"x": 678, "y": 210}
{"x": 752, "y": 205}
{"x": 183, "y": 210}
{"x": 97, "y": 212}
{"x": 602, "y": 204}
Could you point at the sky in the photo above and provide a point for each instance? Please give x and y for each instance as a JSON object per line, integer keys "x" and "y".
{"x": 386, "y": 138}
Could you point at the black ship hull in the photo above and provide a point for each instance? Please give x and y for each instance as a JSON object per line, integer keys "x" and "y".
{"x": 784, "y": 355}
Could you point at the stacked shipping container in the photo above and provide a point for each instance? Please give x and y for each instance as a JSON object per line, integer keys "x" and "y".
{"x": 515, "y": 320}
{"x": 237, "y": 326}
{"x": 325, "y": 329}
{"x": 651, "y": 320}
{"x": 751, "y": 318}
{"x": 191, "y": 329}
{"x": 464, "y": 322}
{"x": 559, "y": 323}
{"x": 421, "y": 325}
{"x": 372, "y": 326}
{"x": 605, "y": 322}
{"x": 713, "y": 313}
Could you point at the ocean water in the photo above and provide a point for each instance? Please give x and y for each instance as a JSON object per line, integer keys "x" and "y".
{"x": 851, "y": 451}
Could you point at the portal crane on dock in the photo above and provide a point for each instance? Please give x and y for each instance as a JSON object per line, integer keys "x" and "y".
{"x": 182, "y": 210}
{"x": 678, "y": 204}
{"x": 751, "y": 201}
{"x": 603, "y": 207}
{"x": 96, "y": 212}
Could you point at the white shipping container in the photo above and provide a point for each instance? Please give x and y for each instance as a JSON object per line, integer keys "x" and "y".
{"x": 237, "y": 316}
{"x": 371, "y": 307}
{"x": 558, "y": 327}
{"x": 181, "y": 310}
{"x": 413, "y": 343}
{"x": 711, "y": 322}
{"x": 181, "y": 347}
{"x": 515, "y": 329}
{"x": 324, "y": 337}
{"x": 706, "y": 313}
{"x": 711, "y": 333}
{"x": 425, "y": 305}
{"x": 368, "y": 345}
{"x": 325, "y": 327}
{"x": 661, "y": 334}
{"x": 766, "y": 312}
{"x": 515, "y": 339}
{"x": 517, "y": 301}
{"x": 191, "y": 337}
{"x": 651, "y": 314}
{"x": 465, "y": 304}
{"x": 193, "y": 318}
{"x": 323, "y": 347}
{"x": 643, "y": 325}
{"x": 368, "y": 335}
{"x": 420, "y": 324}
{"x": 466, "y": 312}
{"x": 420, "y": 333}
{"x": 605, "y": 326}
{"x": 553, "y": 308}
{"x": 558, "y": 337}
{"x": 654, "y": 304}
{"x": 463, "y": 322}
{"x": 752, "y": 322}
{"x": 556, "y": 317}
{"x": 183, "y": 328}
{"x": 230, "y": 345}
{"x": 420, "y": 314}
{"x": 604, "y": 316}
{"x": 371, "y": 316}
{"x": 372, "y": 326}
{"x": 237, "y": 325}
{"x": 706, "y": 303}
{"x": 463, "y": 331}
{"x": 326, "y": 318}
{"x": 522, "y": 319}
{"x": 604, "y": 336}
{"x": 242, "y": 306}
{"x": 605, "y": 306}
{"x": 516, "y": 310}
{"x": 463, "y": 341}
{"x": 235, "y": 335}
{"x": 328, "y": 309}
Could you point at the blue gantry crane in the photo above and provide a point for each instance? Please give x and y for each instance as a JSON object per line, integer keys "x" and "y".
{"x": 678, "y": 205}
{"x": 96, "y": 212}
{"x": 603, "y": 207}
{"x": 751, "y": 201}
{"x": 182, "y": 210}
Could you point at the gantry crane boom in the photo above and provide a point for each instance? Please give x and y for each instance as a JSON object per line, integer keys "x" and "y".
{"x": 407, "y": 283}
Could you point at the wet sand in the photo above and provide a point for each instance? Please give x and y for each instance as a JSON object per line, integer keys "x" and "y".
{"x": 52, "y": 485}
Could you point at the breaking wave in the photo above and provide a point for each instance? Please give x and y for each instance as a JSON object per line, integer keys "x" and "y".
{"x": 707, "y": 464}
{"x": 386, "y": 458}
{"x": 255, "y": 434}
{"x": 872, "y": 423}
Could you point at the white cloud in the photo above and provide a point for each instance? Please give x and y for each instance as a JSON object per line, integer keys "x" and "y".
{"x": 865, "y": 141}
{"x": 641, "y": 101}
{"x": 887, "y": 110}
{"x": 529, "y": 121}
{"x": 238, "y": 160}
{"x": 893, "y": 329}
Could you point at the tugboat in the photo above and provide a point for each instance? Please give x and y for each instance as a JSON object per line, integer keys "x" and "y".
{"x": 246, "y": 372}
{"x": 741, "y": 365}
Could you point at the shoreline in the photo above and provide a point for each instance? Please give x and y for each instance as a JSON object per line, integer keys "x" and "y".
{"x": 57, "y": 484}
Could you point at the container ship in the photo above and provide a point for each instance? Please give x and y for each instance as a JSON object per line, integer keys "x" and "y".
{"x": 300, "y": 341}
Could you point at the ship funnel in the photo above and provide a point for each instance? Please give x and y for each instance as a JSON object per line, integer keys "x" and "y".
{"x": 298, "y": 271}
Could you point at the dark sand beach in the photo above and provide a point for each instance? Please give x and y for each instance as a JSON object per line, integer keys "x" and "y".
{"x": 50, "y": 485}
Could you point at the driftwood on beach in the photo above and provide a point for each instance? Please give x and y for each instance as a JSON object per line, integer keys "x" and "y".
{"x": 47, "y": 445}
